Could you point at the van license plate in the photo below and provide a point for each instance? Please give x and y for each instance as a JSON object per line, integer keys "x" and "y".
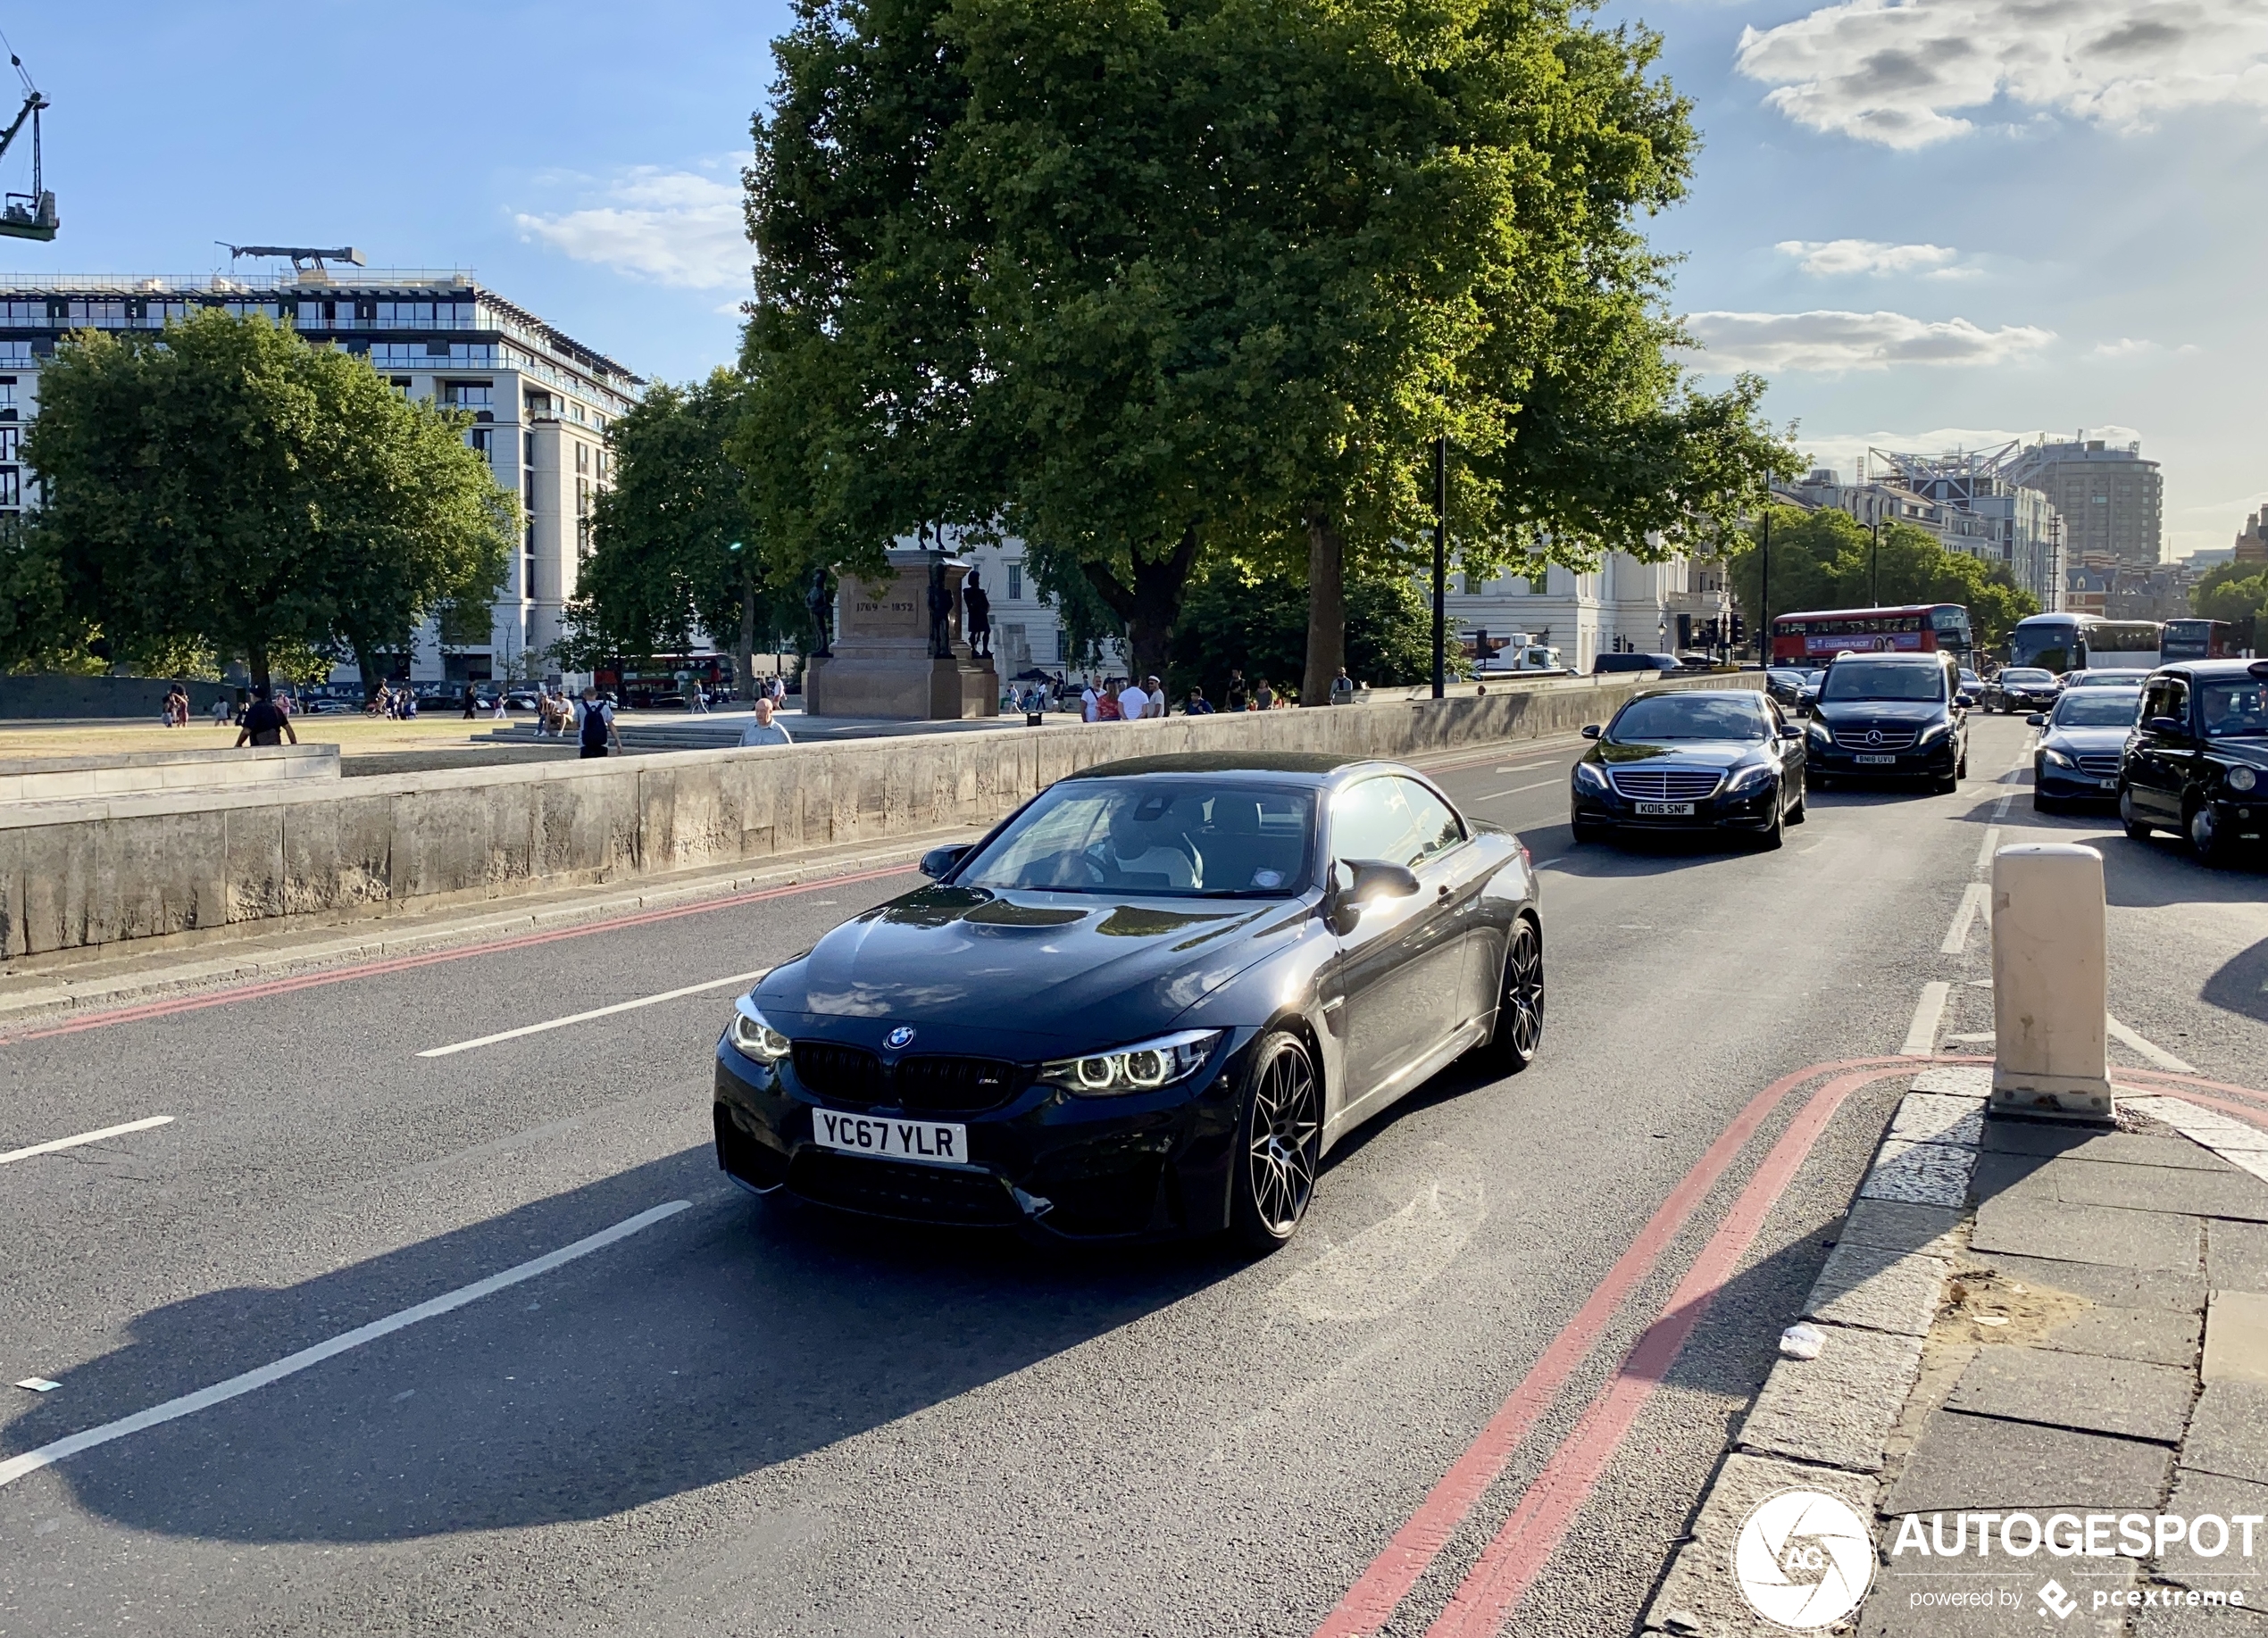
{"x": 1875, "y": 761}
{"x": 1665, "y": 809}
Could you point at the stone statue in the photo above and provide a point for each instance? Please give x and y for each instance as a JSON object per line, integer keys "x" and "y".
{"x": 940, "y": 613}
{"x": 821, "y": 603}
{"x": 978, "y": 608}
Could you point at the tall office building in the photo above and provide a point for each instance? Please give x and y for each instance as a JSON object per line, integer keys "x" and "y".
{"x": 1985, "y": 511}
{"x": 541, "y": 403}
{"x": 2111, "y": 499}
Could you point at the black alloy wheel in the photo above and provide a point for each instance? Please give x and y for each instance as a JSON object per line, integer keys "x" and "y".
{"x": 1773, "y": 834}
{"x": 2138, "y": 828}
{"x": 1519, "y": 1034}
{"x": 2207, "y": 840}
{"x": 1283, "y": 1129}
{"x": 1796, "y": 815}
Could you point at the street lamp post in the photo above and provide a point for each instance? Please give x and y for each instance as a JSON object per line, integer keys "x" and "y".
{"x": 1874, "y": 566}
{"x": 1763, "y": 599}
{"x": 1440, "y": 565}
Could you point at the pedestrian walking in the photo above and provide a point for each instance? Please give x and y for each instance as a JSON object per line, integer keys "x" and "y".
{"x": 1237, "y": 696}
{"x": 598, "y": 731}
{"x": 700, "y": 700}
{"x": 265, "y": 722}
{"x": 1342, "y": 688}
{"x": 1133, "y": 703}
{"x": 764, "y": 730}
{"x": 496, "y": 711}
{"x": 472, "y": 704}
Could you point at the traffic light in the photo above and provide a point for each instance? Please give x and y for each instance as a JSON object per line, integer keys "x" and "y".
{"x": 1739, "y": 629}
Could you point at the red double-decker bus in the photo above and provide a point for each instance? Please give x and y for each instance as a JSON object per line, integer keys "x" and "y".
{"x": 1921, "y": 627}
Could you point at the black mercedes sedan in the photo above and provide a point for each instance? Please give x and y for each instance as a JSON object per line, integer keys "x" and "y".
{"x": 2022, "y": 688}
{"x": 1701, "y": 760}
{"x": 1890, "y": 716}
{"x": 2081, "y": 743}
{"x": 1146, "y": 1005}
{"x": 2196, "y": 761}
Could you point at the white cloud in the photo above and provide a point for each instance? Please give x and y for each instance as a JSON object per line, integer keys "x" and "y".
{"x": 2126, "y": 347}
{"x": 1902, "y": 74}
{"x": 667, "y": 227}
{"x": 1833, "y": 257}
{"x": 1827, "y": 340}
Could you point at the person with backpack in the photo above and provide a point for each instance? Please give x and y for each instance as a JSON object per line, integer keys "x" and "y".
{"x": 597, "y": 728}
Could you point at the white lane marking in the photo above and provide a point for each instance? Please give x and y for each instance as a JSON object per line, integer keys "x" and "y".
{"x": 1985, "y": 849}
{"x": 2150, "y": 1050}
{"x": 1545, "y": 864}
{"x": 1976, "y": 900}
{"x": 1921, "y": 1035}
{"x": 1515, "y": 790}
{"x": 596, "y": 1012}
{"x": 2000, "y": 808}
{"x": 50, "y": 1147}
{"x": 1525, "y": 767}
{"x": 220, "y": 1393}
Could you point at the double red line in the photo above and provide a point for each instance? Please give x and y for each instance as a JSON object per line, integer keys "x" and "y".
{"x": 1541, "y": 1517}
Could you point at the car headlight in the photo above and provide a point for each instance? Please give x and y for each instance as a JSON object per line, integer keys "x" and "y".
{"x": 2242, "y": 778}
{"x": 2057, "y": 757}
{"x": 753, "y": 1037}
{"x": 1750, "y": 777}
{"x": 1818, "y": 734}
{"x": 1144, "y": 1067}
{"x": 1934, "y": 732}
{"x": 1588, "y": 777}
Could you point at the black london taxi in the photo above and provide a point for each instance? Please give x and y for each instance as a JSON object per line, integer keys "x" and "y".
{"x": 2196, "y": 763}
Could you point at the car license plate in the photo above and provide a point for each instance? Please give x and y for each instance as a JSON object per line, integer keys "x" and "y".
{"x": 2106, "y": 784}
{"x": 1875, "y": 761}
{"x": 1665, "y": 809}
{"x": 935, "y": 1143}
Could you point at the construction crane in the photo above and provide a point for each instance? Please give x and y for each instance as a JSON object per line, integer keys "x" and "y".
{"x": 301, "y": 255}
{"x": 32, "y": 215}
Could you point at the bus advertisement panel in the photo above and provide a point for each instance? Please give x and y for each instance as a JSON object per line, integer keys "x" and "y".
{"x": 2197, "y": 639}
{"x": 1815, "y": 637}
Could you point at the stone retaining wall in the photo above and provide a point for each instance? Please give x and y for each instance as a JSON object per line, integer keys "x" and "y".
{"x": 74, "y": 779}
{"x": 88, "y": 876}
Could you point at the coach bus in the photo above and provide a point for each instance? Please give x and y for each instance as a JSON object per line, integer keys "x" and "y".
{"x": 1817, "y": 637}
{"x": 2067, "y": 643}
{"x": 2197, "y": 639}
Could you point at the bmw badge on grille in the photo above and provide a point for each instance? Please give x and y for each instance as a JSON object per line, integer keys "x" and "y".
{"x": 902, "y": 1036}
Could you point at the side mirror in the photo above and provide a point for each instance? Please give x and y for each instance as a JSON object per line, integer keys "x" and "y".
{"x": 2172, "y": 726}
{"x": 1964, "y": 698}
{"x": 1788, "y": 730}
{"x": 2038, "y": 720}
{"x": 1590, "y": 730}
{"x": 1368, "y": 879}
{"x": 939, "y": 861}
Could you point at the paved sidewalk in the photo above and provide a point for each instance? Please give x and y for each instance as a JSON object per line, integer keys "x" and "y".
{"x": 2067, "y": 1325}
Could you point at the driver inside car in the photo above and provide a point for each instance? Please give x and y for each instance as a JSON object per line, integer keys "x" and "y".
{"x": 1140, "y": 853}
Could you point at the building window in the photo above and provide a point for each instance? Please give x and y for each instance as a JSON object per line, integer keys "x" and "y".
{"x": 8, "y": 437}
{"x": 1540, "y": 585}
{"x": 1015, "y": 582}
{"x": 482, "y": 438}
{"x": 11, "y": 486}
{"x": 582, "y": 457}
{"x": 469, "y": 395}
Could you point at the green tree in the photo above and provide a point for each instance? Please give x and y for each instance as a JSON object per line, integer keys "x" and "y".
{"x": 1242, "y": 617}
{"x": 2236, "y": 592}
{"x": 226, "y": 486}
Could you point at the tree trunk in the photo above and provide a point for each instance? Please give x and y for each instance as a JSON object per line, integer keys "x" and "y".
{"x": 744, "y": 657}
{"x": 1151, "y": 605}
{"x": 256, "y": 660}
{"x": 1326, "y": 607}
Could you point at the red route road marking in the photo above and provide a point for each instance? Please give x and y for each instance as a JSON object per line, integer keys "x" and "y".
{"x": 1370, "y": 1601}
{"x": 458, "y": 953}
{"x": 1508, "y": 1565}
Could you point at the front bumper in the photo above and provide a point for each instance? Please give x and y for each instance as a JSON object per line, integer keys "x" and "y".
{"x": 2044, "y": 701}
{"x": 1146, "y": 1166}
{"x": 1934, "y": 760}
{"x": 2243, "y": 819}
{"x": 2072, "y": 784}
{"x": 1748, "y": 808}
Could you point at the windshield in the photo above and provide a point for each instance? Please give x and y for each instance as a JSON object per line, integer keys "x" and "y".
{"x": 1688, "y": 715}
{"x": 2237, "y": 708}
{"x": 2026, "y": 674}
{"x": 1177, "y": 838}
{"x": 2097, "y": 707}
{"x": 1873, "y": 679}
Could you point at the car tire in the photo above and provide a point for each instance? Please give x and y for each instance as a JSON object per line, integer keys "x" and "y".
{"x": 1797, "y": 814}
{"x": 1581, "y": 834}
{"x": 2042, "y": 802}
{"x": 1519, "y": 1033}
{"x": 2137, "y": 829}
{"x": 2206, "y": 839}
{"x": 1775, "y": 834}
{"x": 1279, "y": 1127}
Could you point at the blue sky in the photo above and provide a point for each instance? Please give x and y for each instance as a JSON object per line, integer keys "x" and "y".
{"x": 1939, "y": 221}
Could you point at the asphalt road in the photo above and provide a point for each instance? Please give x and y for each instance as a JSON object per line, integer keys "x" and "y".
{"x": 740, "y": 1419}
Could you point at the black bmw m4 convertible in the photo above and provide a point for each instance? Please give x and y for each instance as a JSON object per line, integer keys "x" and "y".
{"x": 1146, "y": 1005}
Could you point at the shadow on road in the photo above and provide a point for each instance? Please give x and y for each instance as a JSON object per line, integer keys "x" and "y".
{"x": 724, "y": 1341}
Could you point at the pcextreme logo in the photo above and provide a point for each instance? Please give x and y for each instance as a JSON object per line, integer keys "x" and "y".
{"x": 1803, "y": 1559}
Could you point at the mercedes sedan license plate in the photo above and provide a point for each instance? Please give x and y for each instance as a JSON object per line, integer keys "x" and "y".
{"x": 1665, "y": 809}
{"x": 940, "y": 1142}
{"x": 1874, "y": 761}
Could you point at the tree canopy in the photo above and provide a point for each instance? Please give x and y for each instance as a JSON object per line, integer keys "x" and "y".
{"x": 676, "y": 547}
{"x": 1826, "y": 560}
{"x": 224, "y": 485}
{"x": 1147, "y": 280}
{"x": 2237, "y": 592}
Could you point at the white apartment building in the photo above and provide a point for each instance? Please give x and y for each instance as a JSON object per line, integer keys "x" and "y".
{"x": 541, "y": 403}
{"x": 1623, "y": 604}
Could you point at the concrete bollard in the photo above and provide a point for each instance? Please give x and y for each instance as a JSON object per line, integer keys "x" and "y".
{"x": 2050, "y": 974}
